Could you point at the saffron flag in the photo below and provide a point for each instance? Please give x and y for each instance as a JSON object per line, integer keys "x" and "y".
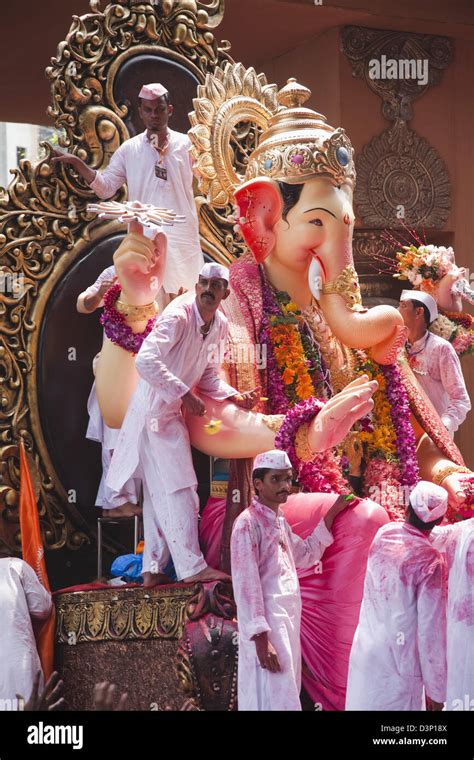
{"x": 33, "y": 553}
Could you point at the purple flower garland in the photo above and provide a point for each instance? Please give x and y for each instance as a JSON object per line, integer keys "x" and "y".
{"x": 400, "y": 414}
{"x": 115, "y": 326}
{"x": 321, "y": 475}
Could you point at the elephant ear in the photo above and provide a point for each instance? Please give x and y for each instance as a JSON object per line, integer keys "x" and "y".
{"x": 260, "y": 207}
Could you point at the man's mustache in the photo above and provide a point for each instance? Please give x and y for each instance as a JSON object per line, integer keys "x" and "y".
{"x": 211, "y": 295}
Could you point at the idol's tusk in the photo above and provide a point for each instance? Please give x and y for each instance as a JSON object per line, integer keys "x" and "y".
{"x": 315, "y": 278}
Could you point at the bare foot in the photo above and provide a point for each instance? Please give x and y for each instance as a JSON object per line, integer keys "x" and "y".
{"x": 208, "y": 574}
{"x": 125, "y": 510}
{"x": 155, "y": 579}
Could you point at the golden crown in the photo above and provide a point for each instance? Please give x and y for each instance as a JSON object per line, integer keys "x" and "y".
{"x": 299, "y": 144}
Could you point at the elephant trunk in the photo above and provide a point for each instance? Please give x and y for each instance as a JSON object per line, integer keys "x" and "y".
{"x": 380, "y": 329}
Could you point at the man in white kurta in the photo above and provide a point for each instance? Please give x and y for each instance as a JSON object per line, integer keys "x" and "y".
{"x": 434, "y": 360}
{"x": 457, "y": 543}
{"x": 124, "y": 503}
{"x": 156, "y": 166}
{"x": 178, "y": 356}
{"x": 399, "y": 646}
{"x": 22, "y": 597}
{"x": 264, "y": 556}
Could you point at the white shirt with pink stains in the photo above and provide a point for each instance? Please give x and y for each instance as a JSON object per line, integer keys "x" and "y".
{"x": 264, "y": 555}
{"x": 133, "y": 163}
{"x": 399, "y": 646}
{"x": 438, "y": 370}
{"x": 173, "y": 359}
{"x": 457, "y": 542}
{"x": 22, "y": 597}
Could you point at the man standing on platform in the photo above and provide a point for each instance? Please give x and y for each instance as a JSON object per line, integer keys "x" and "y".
{"x": 157, "y": 167}
{"x": 177, "y": 358}
{"x": 434, "y": 360}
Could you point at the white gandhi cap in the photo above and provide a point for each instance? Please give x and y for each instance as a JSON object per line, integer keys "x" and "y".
{"x": 152, "y": 91}
{"x": 428, "y": 501}
{"x": 273, "y": 460}
{"x": 212, "y": 270}
{"x": 425, "y": 298}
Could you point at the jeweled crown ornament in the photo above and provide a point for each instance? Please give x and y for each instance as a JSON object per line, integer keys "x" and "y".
{"x": 299, "y": 144}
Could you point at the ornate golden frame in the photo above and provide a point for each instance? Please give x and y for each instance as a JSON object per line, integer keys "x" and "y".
{"x": 44, "y": 225}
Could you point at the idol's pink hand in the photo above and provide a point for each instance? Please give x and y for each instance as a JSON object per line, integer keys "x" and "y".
{"x": 338, "y": 415}
{"x": 454, "y": 486}
{"x": 140, "y": 266}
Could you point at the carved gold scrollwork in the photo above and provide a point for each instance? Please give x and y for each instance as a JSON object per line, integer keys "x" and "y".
{"x": 104, "y": 132}
{"x": 232, "y": 101}
{"x": 128, "y": 614}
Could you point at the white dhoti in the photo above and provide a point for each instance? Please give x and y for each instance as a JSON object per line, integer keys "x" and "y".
{"x": 98, "y": 431}
{"x": 170, "y": 519}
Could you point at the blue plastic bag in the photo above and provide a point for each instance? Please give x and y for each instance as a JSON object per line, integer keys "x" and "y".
{"x": 128, "y": 566}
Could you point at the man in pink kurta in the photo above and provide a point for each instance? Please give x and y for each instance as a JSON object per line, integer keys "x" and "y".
{"x": 399, "y": 646}
{"x": 178, "y": 357}
{"x": 264, "y": 555}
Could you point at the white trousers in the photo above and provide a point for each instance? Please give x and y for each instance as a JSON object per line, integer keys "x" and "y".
{"x": 109, "y": 499}
{"x": 170, "y": 523}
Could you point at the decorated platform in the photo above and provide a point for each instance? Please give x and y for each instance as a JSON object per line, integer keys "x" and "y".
{"x": 161, "y": 645}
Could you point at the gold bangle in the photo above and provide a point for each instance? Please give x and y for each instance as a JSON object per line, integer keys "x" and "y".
{"x": 136, "y": 313}
{"x": 273, "y": 421}
{"x": 302, "y": 447}
{"x": 450, "y": 469}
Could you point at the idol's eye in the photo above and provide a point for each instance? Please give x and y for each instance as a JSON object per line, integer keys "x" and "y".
{"x": 317, "y": 222}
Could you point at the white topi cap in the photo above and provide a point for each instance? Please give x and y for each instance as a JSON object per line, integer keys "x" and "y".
{"x": 152, "y": 91}
{"x": 274, "y": 460}
{"x": 420, "y": 295}
{"x": 212, "y": 270}
{"x": 428, "y": 501}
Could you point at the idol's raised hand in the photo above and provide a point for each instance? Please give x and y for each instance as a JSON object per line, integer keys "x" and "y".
{"x": 334, "y": 421}
{"x": 140, "y": 265}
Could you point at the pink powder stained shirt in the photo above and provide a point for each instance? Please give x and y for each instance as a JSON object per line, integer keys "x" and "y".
{"x": 264, "y": 555}
{"x": 174, "y": 359}
{"x": 438, "y": 370}
{"x": 457, "y": 542}
{"x": 400, "y": 643}
{"x": 133, "y": 163}
{"x": 22, "y": 597}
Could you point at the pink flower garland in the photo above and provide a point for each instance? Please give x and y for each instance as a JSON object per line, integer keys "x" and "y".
{"x": 322, "y": 475}
{"x": 115, "y": 326}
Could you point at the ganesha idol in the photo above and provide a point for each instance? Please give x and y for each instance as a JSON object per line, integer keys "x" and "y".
{"x": 296, "y": 293}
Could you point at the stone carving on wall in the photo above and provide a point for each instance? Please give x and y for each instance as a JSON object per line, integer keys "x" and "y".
{"x": 401, "y": 179}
